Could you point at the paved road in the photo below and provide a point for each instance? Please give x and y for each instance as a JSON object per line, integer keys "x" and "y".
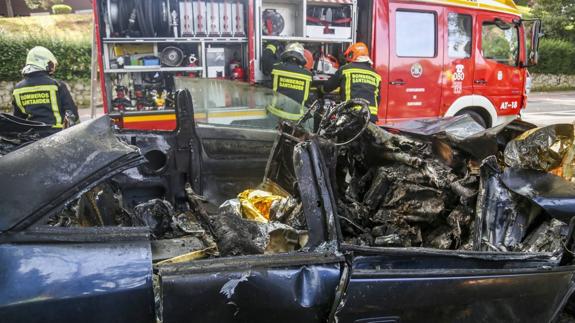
{"x": 85, "y": 114}
{"x": 548, "y": 108}
{"x": 542, "y": 108}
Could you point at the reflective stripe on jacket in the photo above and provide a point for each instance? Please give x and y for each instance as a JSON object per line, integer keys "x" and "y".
{"x": 357, "y": 80}
{"x": 294, "y": 82}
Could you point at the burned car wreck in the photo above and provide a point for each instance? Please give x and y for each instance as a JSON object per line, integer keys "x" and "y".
{"x": 349, "y": 222}
{"x": 404, "y": 190}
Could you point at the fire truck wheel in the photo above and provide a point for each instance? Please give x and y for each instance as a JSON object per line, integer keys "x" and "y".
{"x": 476, "y": 116}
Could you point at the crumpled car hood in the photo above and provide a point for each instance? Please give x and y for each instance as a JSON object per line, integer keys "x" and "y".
{"x": 38, "y": 178}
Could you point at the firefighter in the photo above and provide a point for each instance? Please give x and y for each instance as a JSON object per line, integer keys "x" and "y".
{"x": 270, "y": 56}
{"x": 357, "y": 79}
{"x": 40, "y": 97}
{"x": 290, "y": 78}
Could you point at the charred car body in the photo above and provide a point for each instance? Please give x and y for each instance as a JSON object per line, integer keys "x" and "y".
{"x": 429, "y": 221}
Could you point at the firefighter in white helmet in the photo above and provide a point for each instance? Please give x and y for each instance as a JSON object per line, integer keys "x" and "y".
{"x": 40, "y": 97}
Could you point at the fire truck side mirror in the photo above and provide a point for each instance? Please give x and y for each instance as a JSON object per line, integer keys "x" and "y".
{"x": 532, "y": 28}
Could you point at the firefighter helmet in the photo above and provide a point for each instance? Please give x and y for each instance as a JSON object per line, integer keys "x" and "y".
{"x": 309, "y": 60}
{"x": 357, "y": 52}
{"x": 42, "y": 58}
{"x": 294, "y": 52}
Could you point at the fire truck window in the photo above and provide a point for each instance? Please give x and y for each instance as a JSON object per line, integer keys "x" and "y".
{"x": 500, "y": 45}
{"x": 459, "y": 35}
{"x": 415, "y": 34}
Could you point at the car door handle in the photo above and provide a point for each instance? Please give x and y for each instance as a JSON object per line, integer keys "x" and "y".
{"x": 482, "y": 81}
{"x": 397, "y": 82}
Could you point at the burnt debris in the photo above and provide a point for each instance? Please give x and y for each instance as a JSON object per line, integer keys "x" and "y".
{"x": 438, "y": 184}
{"x": 184, "y": 234}
{"x": 393, "y": 191}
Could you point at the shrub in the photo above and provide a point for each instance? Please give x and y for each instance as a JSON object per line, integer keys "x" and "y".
{"x": 555, "y": 57}
{"x": 74, "y": 58}
{"x": 61, "y": 9}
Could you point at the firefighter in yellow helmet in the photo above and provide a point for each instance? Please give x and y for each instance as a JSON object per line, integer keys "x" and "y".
{"x": 357, "y": 78}
{"x": 40, "y": 97}
{"x": 290, "y": 78}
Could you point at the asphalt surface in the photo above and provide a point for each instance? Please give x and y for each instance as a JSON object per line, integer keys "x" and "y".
{"x": 86, "y": 114}
{"x": 549, "y": 108}
{"x": 542, "y": 108}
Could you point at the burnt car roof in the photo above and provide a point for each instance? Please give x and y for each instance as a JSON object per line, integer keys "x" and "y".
{"x": 38, "y": 178}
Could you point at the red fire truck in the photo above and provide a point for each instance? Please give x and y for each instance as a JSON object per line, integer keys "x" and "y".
{"x": 443, "y": 58}
{"x": 436, "y": 58}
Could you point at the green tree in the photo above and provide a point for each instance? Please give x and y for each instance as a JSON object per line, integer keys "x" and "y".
{"x": 558, "y": 17}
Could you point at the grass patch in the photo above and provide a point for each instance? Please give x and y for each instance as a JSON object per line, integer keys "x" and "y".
{"x": 70, "y": 27}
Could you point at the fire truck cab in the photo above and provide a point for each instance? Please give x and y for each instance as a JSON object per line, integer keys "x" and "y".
{"x": 445, "y": 58}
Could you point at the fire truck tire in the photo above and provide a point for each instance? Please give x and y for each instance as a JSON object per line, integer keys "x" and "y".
{"x": 476, "y": 116}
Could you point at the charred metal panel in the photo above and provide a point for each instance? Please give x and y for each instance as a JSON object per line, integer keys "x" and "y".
{"x": 453, "y": 295}
{"x": 188, "y": 149}
{"x": 225, "y": 142}
{"x": 233, "y": 159}
{"x": 230, "y": 160}
{"x": 279, "y": 168}
{"x": 71, "y": 280}
{"x": 228, "y": 163}
{"x": 462, "y": 126}
{"x": 172, "y": 160}
{"x": 503, "y": 217}
{"x": 466, "y": 134}
{"x": 413, "y": 259}
{"x": 314, "y": 184}
{"x": 310, "y": 195}
{"x": 151, "y": 179}
{"x": 16, "y": 132}
{"x": 251, "y": 289}
{"x": 66, "y": 163}
{"x": 554, "y": 194}
{"x": 10, "y": 124}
